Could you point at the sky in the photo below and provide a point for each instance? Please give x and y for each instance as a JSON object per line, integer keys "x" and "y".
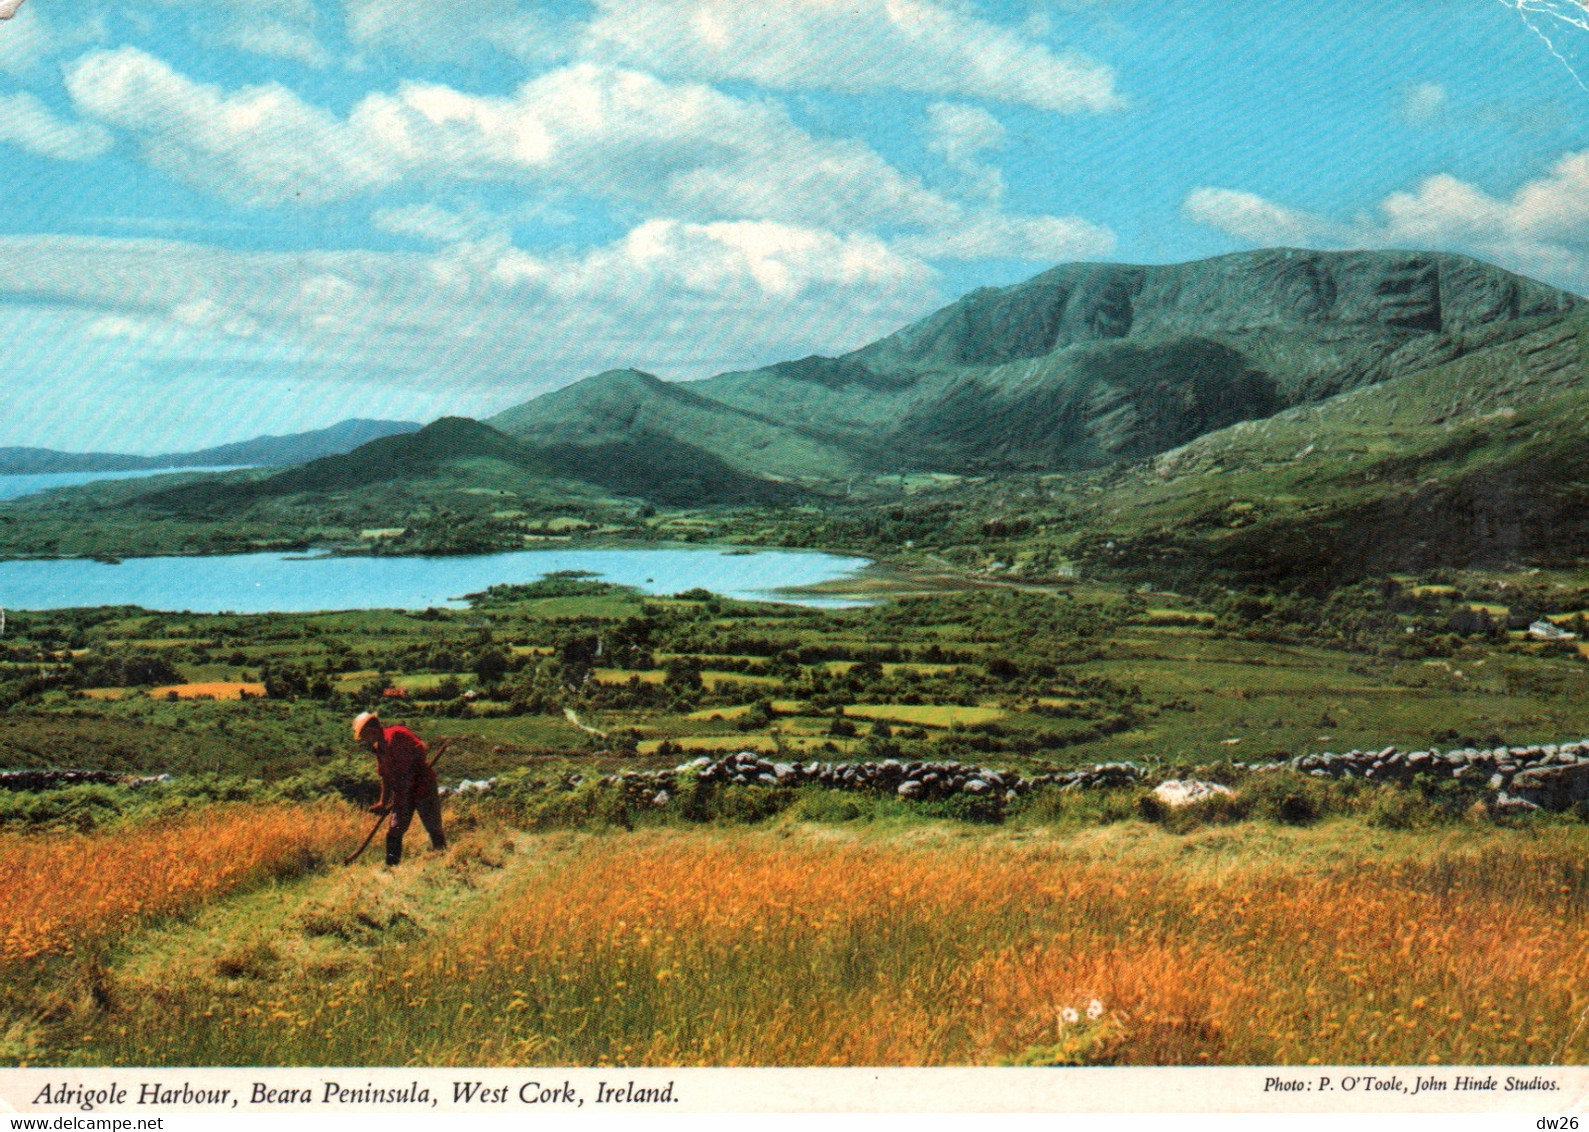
{"x": 224, "y": 218}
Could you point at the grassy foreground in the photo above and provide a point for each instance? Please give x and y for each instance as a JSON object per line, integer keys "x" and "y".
{"x": 799, "y": 942}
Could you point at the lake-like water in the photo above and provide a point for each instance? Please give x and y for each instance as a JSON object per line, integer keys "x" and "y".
{"x": 15, "y": 487}
{"x": 277, "y": 583}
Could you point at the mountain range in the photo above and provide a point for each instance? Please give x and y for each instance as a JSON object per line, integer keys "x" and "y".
{"x": 261, "y": 451}
{"x": 1273, "y": 416}
{"x": 1083, "y": 366}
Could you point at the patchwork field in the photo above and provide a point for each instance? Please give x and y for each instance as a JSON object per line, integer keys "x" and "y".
{"x": 599, "y": 907}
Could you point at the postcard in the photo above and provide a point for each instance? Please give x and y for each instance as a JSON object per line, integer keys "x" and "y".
{"x": 651, "y": 557}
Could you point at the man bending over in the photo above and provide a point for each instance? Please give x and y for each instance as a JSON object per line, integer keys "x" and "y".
{"x": 408, "y": 784}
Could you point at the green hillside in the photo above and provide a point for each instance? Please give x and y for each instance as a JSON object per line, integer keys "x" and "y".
{"x": 430, "y": 452}
{"x": 627, "y": 407}
{"x": 455, "y": 486}
{"x": 1474, "y": 463}
{"x": 1083, "y": 366}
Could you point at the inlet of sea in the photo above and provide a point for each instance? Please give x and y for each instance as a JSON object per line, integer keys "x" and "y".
{"x": 26, "y": 484}
{"x": 307, "y": 583}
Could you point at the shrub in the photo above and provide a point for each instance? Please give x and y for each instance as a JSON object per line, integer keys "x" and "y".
{"x": 1287, "y": 797}
{"x": 984, "y": 810}
{"x": 749, "y": 804}
{"x": 1393, "y": 808}
{"x": 828, "y": 806}
{"x": 83, "y": 808}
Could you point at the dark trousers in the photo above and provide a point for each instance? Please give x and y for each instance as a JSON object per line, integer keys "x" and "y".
{"x": 428, "y": 807}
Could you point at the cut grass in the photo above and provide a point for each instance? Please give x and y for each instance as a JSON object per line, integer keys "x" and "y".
{"x": 814, "y": 944}
{"x": 68, "y": 890}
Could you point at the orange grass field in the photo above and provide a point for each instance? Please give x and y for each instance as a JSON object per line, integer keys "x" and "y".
{"x": 807, "y": 946}
{"x": 215, "y": 689}
{"x": 65, "y": 890}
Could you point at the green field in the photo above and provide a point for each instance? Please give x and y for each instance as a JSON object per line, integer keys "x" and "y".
{"x": 1026, "y": 677}
{"x": 557, "y": 689}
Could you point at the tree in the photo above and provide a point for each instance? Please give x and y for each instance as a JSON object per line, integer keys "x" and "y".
{"x": 683, "y": 673}
{"x": 490, "y": 665}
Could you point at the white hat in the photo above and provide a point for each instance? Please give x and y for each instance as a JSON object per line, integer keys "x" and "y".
{"x": 360, "y": 720}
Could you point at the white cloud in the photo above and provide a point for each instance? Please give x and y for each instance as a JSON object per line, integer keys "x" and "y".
{"x": 208, "y": 314}
{"x": 996, "y": 235}
{"x": 26, "y": 122}
{"x": 279, "y": 40}
{"x": 1250, "y": 217}
{"x": 257, "y": 145}
{"x": 1423, "y": 104}
{"x": 24, "y": 41}
{"x": 465, "y": 222}
{"x": 446, "y": 30}
{"x": 923, "y": 46}
{"x": 681, "y": 150}
{"x": 30, "y": 41}
{"x": 118, "y": 326}
{"x": 685, "y": 149}
{"x": 471, "y": 328}
{"x": 959, "y": 134}
{"x": 1541, "y": 229}
{"x": 429, "y": 222}
{"x": 281, "y": 29}
{"x": 727, "y": 262}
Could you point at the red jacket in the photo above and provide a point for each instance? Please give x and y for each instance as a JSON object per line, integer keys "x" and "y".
{"x": 403, "y": 766}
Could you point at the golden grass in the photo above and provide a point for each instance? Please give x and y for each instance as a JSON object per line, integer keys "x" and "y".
{"x": 712, "y": 680}
{"x": 737, "y": 948}
{"x": 891, "y": 668}
{"x": 715, "y": 680}
{"x": 925, "y": 715}
{"x": 746, "y": 742}
{"x": 350, "y": 681}
{"x": 712, "y": 713}
{"x": 65, "y": 890}
{"x": 624, "y": 675}
{"x": 215, "y": 689}
{"x": 1176, "y": 616}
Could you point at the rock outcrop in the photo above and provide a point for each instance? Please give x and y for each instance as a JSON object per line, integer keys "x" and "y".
{"x": 1179, "y": 792}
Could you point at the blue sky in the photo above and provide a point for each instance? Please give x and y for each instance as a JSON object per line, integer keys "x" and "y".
{"x": 229, "y": 217}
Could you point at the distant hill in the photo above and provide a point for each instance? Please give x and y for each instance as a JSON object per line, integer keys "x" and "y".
{"x": 440, "y": 443}
{"x": 637, "y": 410}
{"x": 262, "y": 451}
{"x": 467, "y": 454}
{"x": 1082, "y": 366}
